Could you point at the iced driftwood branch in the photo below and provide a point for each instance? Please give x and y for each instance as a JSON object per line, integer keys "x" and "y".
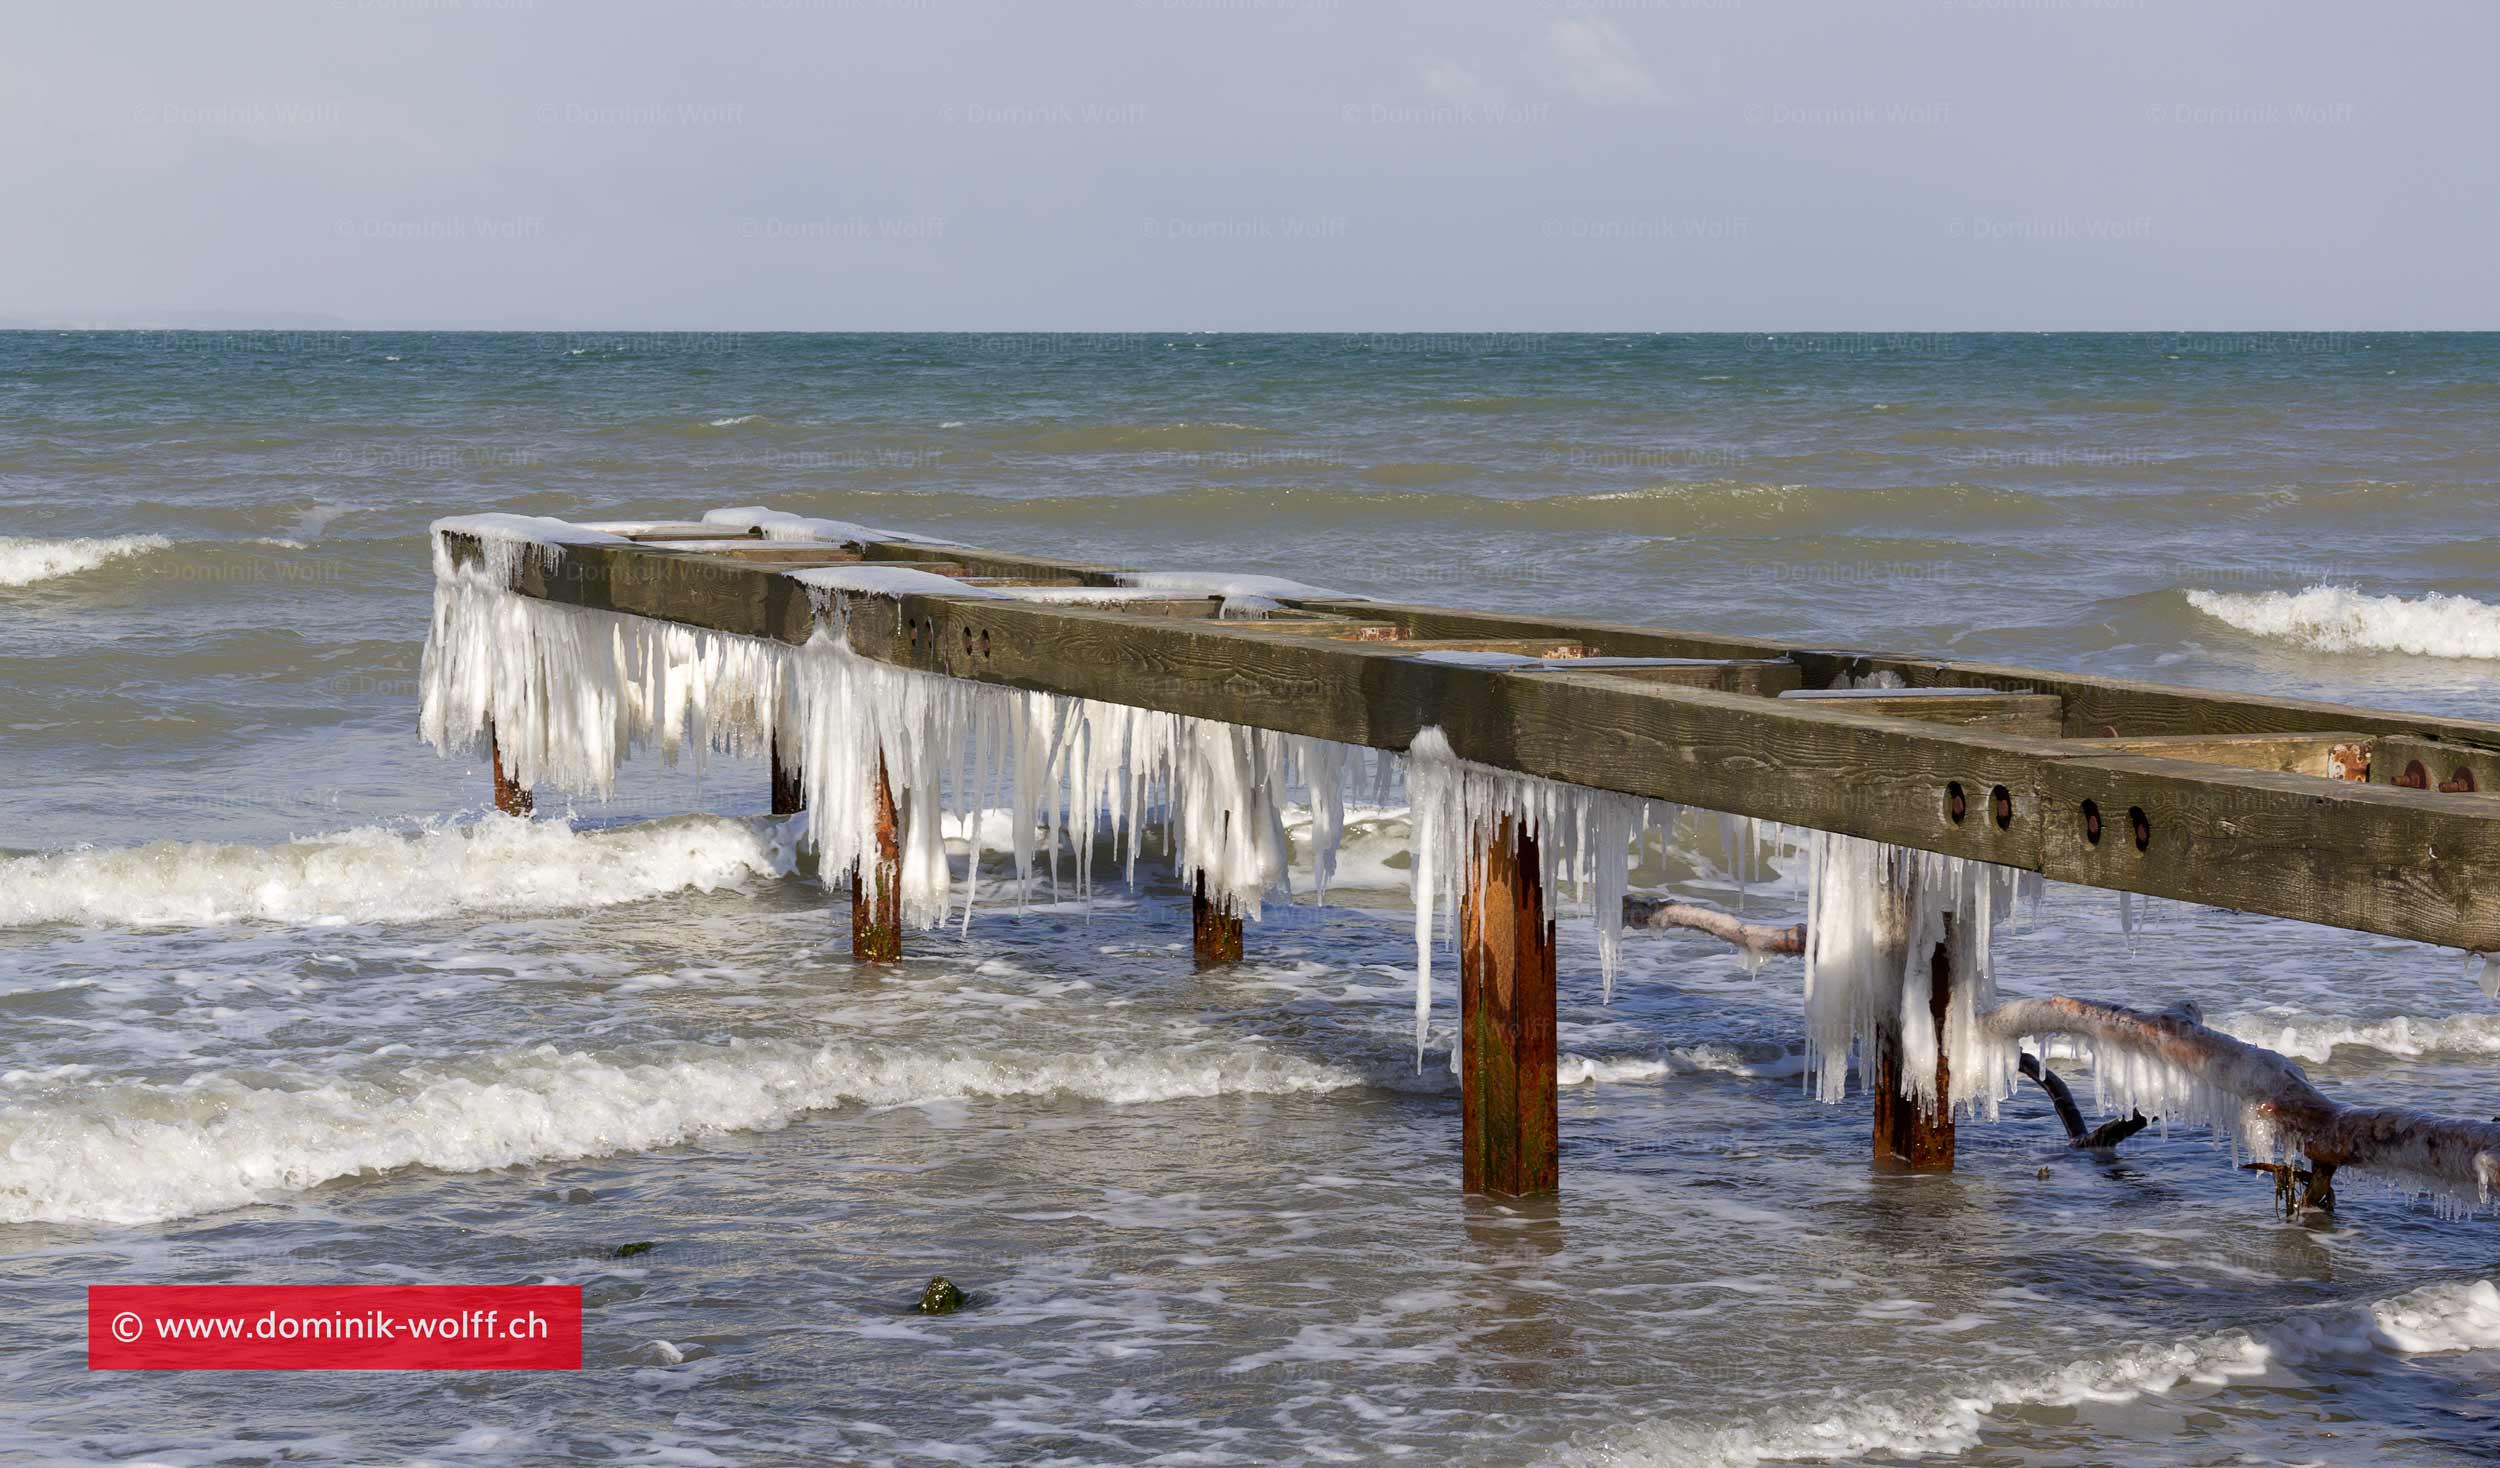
{"x": 2178, "y": 1068}
{"x": 2276, "y": 1108}
{"x": 1651, "y": 912}
{"x": 2070, "y": 1116}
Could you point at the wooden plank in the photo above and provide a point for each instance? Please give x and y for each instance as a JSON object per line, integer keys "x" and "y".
{"x": 2040, "y": 714}
{"x": 1763, "y": 677}
{"x": 2116, "y": 707}
{"x": 2328, "y": 756}
{"x": 1508, "y": 1100}
{"x": 2431, "y": 764}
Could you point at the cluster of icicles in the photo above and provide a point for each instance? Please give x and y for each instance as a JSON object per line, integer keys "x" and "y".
{"x": 568, "y": 692}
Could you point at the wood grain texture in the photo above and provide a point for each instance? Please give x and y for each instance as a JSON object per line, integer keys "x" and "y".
{"x": 2417, "y": 864}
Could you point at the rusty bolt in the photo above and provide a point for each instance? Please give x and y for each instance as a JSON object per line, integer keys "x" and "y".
{"x": 2001, "y": 802}
{"x": 1954, "y": 805}
{"x": 2459, "y": 783}
{"x": 2091, "y": 823}
{"x": 2142, "y": 825}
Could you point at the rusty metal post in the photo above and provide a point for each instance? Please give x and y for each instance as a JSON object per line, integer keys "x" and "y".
{"x": 511, "y": 796}
{"x": 1508, "y": 1104}
{"x": 1214, "y": 928}
{"x": 1906, "y": 1136}
{"x": 877, "y": 903}
{"x": 789, "y": 791}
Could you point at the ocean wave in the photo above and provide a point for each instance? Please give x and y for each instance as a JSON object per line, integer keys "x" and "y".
{"x": 2434, "y": 1319}
{"x": 2313, "y": 1037}
{"x": 1761, "y": 1062}
{"x": 142, "y": 1154}
{"x": 25, "y": 560}
{"x": 371, "y": 874}
{"x": 2341, "y": 619}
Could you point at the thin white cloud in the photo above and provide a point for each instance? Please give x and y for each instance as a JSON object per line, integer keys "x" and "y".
{"x": 1601, "y": 63}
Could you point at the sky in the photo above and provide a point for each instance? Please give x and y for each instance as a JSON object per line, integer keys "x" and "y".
{"x": 1351, "y": 165}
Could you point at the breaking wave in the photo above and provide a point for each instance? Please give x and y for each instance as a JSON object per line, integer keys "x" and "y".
{"x": 2340, "y": 619}
{"x": 498, "y": 865}
{"x": 2313, "y": 1037}
{"x": 25, "y": 560}
{"x": 143, "y": 1154}
{"x": 2433, "y": 1319}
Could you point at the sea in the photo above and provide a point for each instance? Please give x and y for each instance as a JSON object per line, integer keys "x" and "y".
{"x": 283, "y": 1001}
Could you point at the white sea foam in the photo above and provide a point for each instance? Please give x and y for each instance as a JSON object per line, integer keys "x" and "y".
{"x": 25, "y": 560}
{"x": 138, "y": 1154}
{"x": 2319, "y": 1037}
{"x": 499, "y": 865}
{"x": 2434, "y": 1319}
{"x": 2341, "y": 619}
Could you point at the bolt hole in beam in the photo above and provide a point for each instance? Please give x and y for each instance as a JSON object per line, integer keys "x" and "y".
{"x": 2091, "y": 823}
{"x": 2415, "y": 776}
{"x": 2459, "y": 782}
{"x": 1956, "y": 805}
{"x": 2141, "y": 825}
{"x": 2001, "y": 801}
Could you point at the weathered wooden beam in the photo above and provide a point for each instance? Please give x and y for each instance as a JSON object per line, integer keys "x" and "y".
{"x": 877, "y": 897}
{"x": 2431, "y": 764}
{"x": 511, "y": 796}
{"x": 2041, "y": 715}
{"x": 2339, "y": 756}
{"x": 2408, "y": 863}
{"x": 1508, "y": 1097}
{"x": 1214, "y": 928}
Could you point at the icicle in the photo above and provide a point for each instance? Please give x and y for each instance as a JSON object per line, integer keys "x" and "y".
{"x": 1860, "y": 893}
{"x": 1456, "y": 809}
{"x": 2486, "y": 975}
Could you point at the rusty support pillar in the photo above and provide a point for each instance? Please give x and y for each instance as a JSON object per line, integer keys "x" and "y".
{"x": 789, "y": 791}
{"x": 511, "y": 796}
{"x": 1214, "y": 928}
{"x": 1507, "y": 1097}
{"x": 877, "y": 902}
{"x": 1906, "y": 1136}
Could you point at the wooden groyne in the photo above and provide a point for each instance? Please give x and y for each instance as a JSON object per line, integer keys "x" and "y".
{"x": 2354, "y": 817}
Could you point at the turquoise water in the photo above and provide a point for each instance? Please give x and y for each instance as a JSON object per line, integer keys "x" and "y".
{"x": 1205, "y": 1218}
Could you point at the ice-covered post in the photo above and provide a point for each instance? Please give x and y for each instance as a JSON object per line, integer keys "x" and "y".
{"x": 1907, "y": 1134}
{"x": 789, "y": 788}
{"x": 511, "y": 796}
{"x": 877, "y": 897}
{"x": 1507, "y": 1098}
{"x": 1214, "y": 928}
